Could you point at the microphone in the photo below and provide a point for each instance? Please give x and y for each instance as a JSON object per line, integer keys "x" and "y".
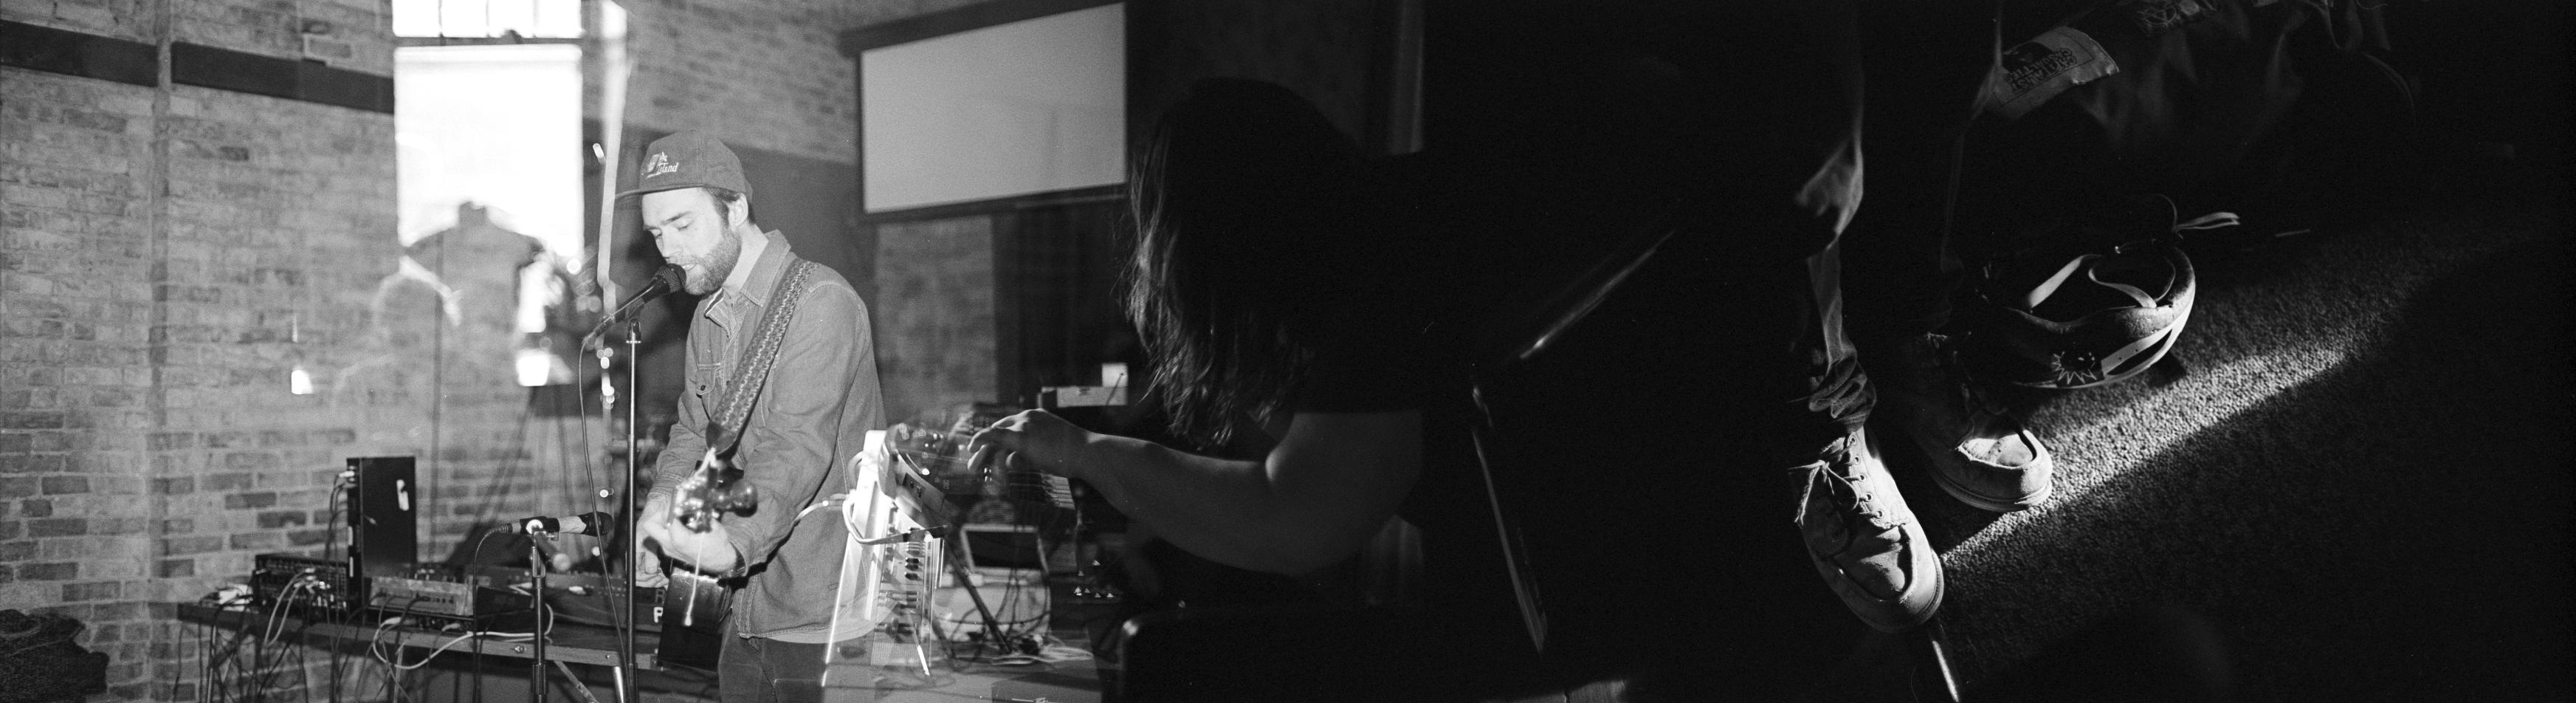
{"x": 665, "y": 280}
{"x": 590, "y": 523}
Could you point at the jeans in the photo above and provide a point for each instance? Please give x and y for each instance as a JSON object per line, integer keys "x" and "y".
{"x": 1923, "y": 66}
{"x": 763, "y": 670}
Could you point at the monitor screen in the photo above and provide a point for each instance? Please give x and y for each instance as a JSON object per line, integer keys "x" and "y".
{"x": 1031, "y": 106}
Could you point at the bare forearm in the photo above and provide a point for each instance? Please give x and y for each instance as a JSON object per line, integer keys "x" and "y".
{"x": 1309, "y": 504}
{"x": 1212, "y": 507}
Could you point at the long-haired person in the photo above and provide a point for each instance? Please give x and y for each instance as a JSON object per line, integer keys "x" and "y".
{"x": 1307, "y": 312}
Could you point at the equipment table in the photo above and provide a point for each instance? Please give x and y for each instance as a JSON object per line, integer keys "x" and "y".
{"x": 574, "y": 643}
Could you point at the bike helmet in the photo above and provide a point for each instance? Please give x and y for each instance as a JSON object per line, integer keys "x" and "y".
{"x": 2093, "y": 306}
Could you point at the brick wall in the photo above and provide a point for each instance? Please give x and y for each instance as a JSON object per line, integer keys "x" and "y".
{"x": 760, "y": 75}
{"x": 76, "y": 321}
{"x": 168, "y": 255}
{"x": 935, "y": 339}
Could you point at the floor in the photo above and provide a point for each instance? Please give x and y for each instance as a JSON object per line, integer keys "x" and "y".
{"x": 2348, "y": 481}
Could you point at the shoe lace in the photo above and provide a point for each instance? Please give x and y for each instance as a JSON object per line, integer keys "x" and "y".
{"x": 1839, "y": 474}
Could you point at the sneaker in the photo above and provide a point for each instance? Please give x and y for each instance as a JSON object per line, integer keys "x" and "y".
{"x": 1862, "y": 538}
{"x": 1980, "y": 453}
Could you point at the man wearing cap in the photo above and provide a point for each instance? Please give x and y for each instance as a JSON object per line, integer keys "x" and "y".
{"x": 779, "y": 356}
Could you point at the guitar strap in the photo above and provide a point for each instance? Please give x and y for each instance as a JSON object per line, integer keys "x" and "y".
{"x": 686, "y": 641}
{"x": 725, "y": 422}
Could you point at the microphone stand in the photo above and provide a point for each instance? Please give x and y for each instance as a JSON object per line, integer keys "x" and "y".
{"x": 624, "y": 605}
{"x": 537, "y": 661}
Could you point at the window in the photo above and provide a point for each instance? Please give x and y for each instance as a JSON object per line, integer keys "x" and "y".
{"x": 559, "y": 19}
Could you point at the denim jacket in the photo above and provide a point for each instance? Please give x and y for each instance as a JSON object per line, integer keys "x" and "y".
{"x": 813, "y": 413}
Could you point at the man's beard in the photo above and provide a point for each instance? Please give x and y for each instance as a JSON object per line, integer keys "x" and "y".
{"x": 718, "y": 266}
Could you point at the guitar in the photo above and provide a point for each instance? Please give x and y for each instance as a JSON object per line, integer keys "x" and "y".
{"x": 694, "y": 605}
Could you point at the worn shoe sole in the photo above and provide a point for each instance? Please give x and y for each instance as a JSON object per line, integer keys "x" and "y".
{"x": 1894, "y": 616}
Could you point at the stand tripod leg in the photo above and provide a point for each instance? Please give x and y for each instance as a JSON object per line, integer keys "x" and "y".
{"x": 965, "y": 582}
{"x": 537, "y": 662}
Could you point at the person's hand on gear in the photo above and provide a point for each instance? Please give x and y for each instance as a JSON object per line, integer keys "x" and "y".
{"x": 1033, "y": 440}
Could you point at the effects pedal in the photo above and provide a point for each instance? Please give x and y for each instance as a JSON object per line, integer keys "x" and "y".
{"x": 305, "y": 582}
{"x": 439, "y": 603}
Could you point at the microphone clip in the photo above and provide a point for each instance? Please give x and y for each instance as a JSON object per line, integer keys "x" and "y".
{"x": 665, "y": 281}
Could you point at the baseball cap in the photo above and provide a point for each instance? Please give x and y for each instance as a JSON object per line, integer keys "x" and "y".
{"x": 688, "y": 160}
